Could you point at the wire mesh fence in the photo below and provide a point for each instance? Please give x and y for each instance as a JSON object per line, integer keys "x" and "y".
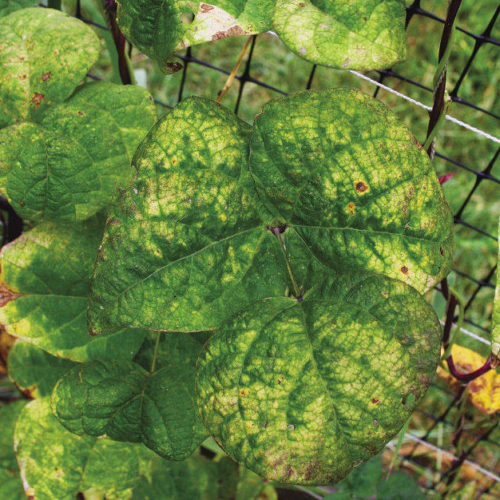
{"x": 446, "y": 436}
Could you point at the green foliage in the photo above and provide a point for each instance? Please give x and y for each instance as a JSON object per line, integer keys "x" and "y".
{"x": 44, "y": 284}
{"x": 69, "y": 163}
{"x": 270, "y": 238}
{"x": 359, "y": 34}
{"x": 127, "y": 402}
{"x": 8, "y": 6}
{"x": 34, "y": 371}
{"x": 73, "y": 161}
{"x": 261, "y": 285}
{"x": 11, "y": 487}
{"x": 368, "y": 481}
{"x": 44, "y": 55}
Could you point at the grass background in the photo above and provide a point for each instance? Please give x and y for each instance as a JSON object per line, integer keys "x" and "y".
{"x": 475, "y": 254}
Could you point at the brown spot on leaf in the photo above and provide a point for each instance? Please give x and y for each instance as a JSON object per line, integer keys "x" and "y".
{"x": 375, "y": 401}
{"x": 361, "y": 187}
{"x": 243, "y": 392}
{"x": 6, "y": 294}
{"x": 279, "y": 382}
{"x": 351, "y": 208}
{"x": 404, "y": 270}
{"x": 232, "y": 31}
{"x": 206, "y": 8}
{"x": 46, "y": 76}
{"x": 441, "y": 251}
{"x": 37, "y": 100}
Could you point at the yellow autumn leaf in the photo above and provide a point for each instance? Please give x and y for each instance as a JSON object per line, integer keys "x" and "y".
{"x": 484, "y": 391}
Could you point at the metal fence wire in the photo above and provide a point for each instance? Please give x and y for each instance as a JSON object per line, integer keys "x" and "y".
{"x": 426, "y": 450}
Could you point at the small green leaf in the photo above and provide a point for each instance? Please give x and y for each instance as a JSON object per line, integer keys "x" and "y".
{"x": 44, "y": 55}
{"x": 69, "y": 166}
{"x": 158, "y": 28}
{"x": 8, "y": 6}
{"x": 189, "y": 243}
{"x": 55, "y": 463}
{"x": 34, "y": 371}
{"x": 362, "y": 481}
{"x": 44, "y": 282}
{"x": 129, "y": 403}
{"x": 302, "y": 392}
{"x": 359, "y": 34}
{"x": 11, "y": 487}
{"x": 399, "y": 486}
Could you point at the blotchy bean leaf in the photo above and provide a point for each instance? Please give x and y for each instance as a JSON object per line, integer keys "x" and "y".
{"x": 70, "y": 165}
{"x": 11, "y": 487}
{"x": 190, "y": 243}
{"x": 56, "y": 463}
{"x": 44, "y": 283}
{"x": 129, "y": 403}
{"x": 35, "y": 371}
{"x": 186, "y": 245}
{"x": 44, "y": 55}
{"x": 8, "y": 6}
{"x": 339, "y": 168}
{"x": 302, "y": 392}
{"x": 159, "y": 27}
{"x": 359, "y": 34}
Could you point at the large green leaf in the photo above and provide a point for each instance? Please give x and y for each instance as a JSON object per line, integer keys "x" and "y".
{"x": 359, "y": 34}
{"x": 127, "y": 402}
{"x": 44, "y": 282}
{"x": 11, "y": 487}
{"x": 302, "y": 391}
{"x": 44, "y": 55}
{"x": 8, "y": 6}
{"x": 70, "y": 165}
{"x": 190, "y": 243}
{"x": 56, "y": 463}
{"x": 159, "y": 27}
{"x": 34, "y": 371}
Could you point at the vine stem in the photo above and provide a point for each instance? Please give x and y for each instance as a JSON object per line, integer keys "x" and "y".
{"x": 440, "y": 106}
{"x": 155, "y": 354}
{"x": 124, "y": 65}
{"x": 232, "y": 75}
{"x": 463, "y": 377}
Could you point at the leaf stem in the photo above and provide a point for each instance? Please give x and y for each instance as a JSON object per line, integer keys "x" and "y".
{"x": 295, "y": 286}
{"x": 232, "y": 75}
{"x": 155, "y": 354}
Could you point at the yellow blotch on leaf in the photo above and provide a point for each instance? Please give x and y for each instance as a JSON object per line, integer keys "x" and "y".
{"x": 351, "y": 208}
{"x": 484, "y": 391}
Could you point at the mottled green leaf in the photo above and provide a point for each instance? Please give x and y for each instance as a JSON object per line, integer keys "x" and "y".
{"x": 127, "y": 402}
{"x": 34, "y": 371}
{"x": 359, "y": 34}
{"x": 44, "y": 55}
{"x": 8, "y": 6}
{"x": 56, "y": 463}
{"x": 44, "y": 283}
{"x": 350, "y": 180}
{"x": 11, "y": 487}
{"x": 303, "y": 391}
{"x": 70, "y": 165}
{"x": 189, "y": 243}
{"x": 159, "y": 27}
{"x": 495, "y": 330}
